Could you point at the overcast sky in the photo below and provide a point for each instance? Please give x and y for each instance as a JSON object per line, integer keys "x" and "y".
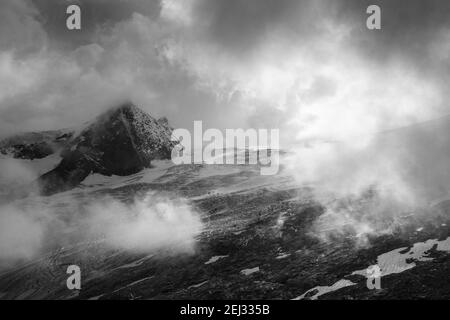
{"x": 310, "y": 68}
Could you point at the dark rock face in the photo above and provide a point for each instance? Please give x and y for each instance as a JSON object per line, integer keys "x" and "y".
{"x": 35, "y": 145}
{"x": 122, "y": 141}
{"x": 32, "y": 151}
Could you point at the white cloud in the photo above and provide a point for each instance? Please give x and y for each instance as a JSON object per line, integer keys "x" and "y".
{"x": 147, "y": 225}
{"x": 154, "y": 223}
{"x": 21, "y": 234}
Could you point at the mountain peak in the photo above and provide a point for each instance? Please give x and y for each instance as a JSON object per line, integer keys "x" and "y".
{"x": 121, "y": 141}
{"x": 126, "y": 106}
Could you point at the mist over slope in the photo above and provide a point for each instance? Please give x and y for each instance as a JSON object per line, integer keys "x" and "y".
{"x": 368, "y": 182}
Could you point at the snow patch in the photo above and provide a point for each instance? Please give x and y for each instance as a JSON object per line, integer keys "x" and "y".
{"x": 282, "y": 256}
{"x": 324, "y": 289}
{"x": 247, "y": 272}
{"x": 215, "y": 259}
{"x": 198, "y": 285}
{"x": 150, "y": 175}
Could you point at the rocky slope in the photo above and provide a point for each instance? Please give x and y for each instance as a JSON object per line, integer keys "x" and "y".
{"x": 257, "y": 243}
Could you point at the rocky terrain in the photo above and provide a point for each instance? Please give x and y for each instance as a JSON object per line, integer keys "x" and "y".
{"x": 256, "y": 243}
{"x": 261, "y": 237}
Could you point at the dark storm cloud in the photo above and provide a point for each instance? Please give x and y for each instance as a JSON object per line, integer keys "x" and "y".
{"x": 95, "y": 14}
{"x": 20, "y": 29}
{"x": 410, "y": 28}
{"x": 241, "y": 25}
